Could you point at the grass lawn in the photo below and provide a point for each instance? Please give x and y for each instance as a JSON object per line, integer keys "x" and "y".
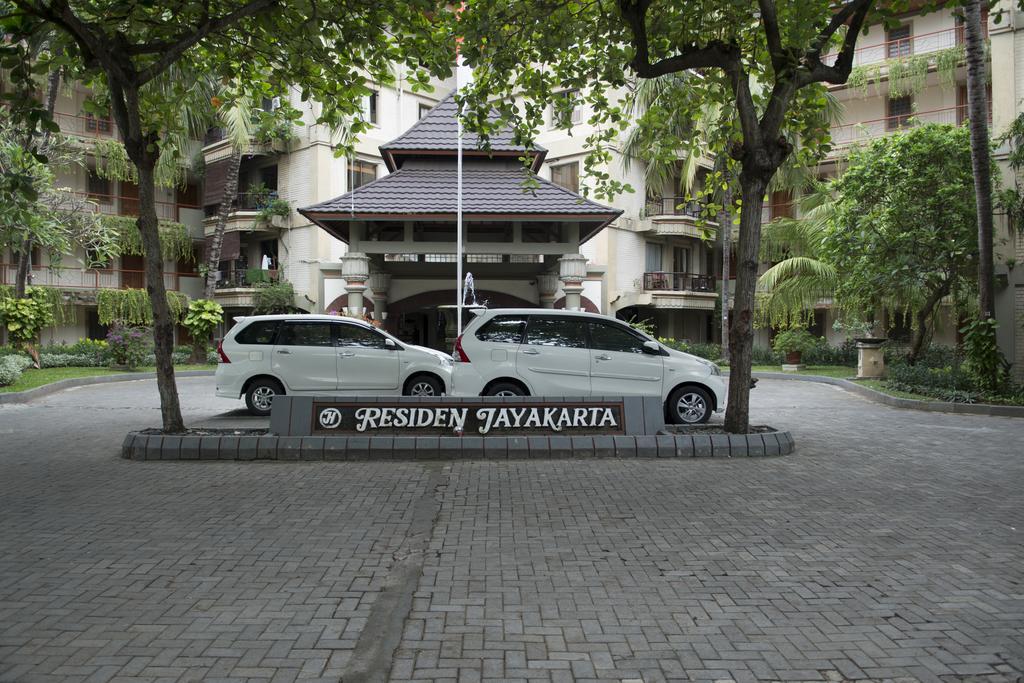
{"x": 32, "y": 378}
{"x": 840, "y": 371}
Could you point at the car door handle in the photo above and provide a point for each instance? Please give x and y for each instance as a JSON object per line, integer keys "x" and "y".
{"x": 284, "y": 351}
{"x": 531, "y": 352}
{"x": 604, "y": 356}
{"x": 346, "y": 354}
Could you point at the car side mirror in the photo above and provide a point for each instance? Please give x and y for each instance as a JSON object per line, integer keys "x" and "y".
{"x": 390, "y": 344}
{"x": 652, "y": 347}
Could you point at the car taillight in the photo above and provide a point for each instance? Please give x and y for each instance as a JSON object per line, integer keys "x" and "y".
{"x": 220, "y": 352}
{"x": 459, "y": 354}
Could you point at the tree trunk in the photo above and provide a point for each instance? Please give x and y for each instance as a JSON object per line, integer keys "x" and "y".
{"x": 725, "y": 228}
{"x": 25, "y": 254}
{"x": 741, "y": 335}
{"x": 923, "y": 317}
{"x": 163, "y": 325}
{"x": 980, "y": 160}
{"x": 227, "y": 201}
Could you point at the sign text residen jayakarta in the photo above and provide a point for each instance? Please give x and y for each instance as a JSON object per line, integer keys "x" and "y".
{"x": 335, "y": 418}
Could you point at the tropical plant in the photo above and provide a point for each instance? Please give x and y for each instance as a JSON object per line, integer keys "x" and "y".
{"x": 202, "y": 319}
{"x": 128, "y": 345}
{"x": 132, "y": 306}
{"x": 273, "y": 297}
{"x": 24, "y": 318}
{"x": 795, "y": 340}
{"x": 983, "y": 358}
{"x": 274, "y": 207}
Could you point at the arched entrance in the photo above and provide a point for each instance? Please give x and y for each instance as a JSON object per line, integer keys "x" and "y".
{"x": 417, "y": 320}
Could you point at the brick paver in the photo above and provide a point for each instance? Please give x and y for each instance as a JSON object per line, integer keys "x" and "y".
{"x": 888, "y": 547}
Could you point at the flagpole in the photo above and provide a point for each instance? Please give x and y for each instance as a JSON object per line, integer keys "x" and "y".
{"x": 458, "y": 203}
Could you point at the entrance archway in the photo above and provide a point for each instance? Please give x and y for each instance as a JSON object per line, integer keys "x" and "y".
{"x": 416, "y": 319}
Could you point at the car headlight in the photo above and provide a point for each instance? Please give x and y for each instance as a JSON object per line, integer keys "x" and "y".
{"x": 446, "y": 362}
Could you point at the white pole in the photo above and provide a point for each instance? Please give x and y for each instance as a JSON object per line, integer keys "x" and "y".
{"x": 458, "y": 212}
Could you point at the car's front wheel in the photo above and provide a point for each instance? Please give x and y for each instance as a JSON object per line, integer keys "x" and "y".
{"x": 259, "y": 397}
{"x": 689, "y": 405}
{"x": 423, "y": 385}
{"x": 505, "y": 389}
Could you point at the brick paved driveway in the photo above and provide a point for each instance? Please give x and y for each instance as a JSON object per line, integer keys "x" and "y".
{"x": 889, "y": 546}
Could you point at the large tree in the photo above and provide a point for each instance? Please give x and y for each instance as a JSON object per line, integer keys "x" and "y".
{"x": 765, "y": 60}
{"x": 896, "y": 232}
{"x": 127, "y": 50}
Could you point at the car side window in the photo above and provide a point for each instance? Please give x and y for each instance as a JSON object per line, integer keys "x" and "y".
{"x": 612, "y": 337}
{"x": 504, "y": 329}
{"x": 258, "y": 332}
{"x": 564, "y": 331}
{"x": 306, "y": 334}
{"x": 361, "y": 337}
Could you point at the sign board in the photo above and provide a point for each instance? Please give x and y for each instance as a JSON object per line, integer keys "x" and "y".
{"x": 336, "y": 418}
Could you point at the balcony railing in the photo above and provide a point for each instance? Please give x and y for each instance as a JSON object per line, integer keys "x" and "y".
{"x": 116, "y": 205}
{"x": 921, "y": 43}
{"x": 673, "y": 206}
{"x": 678, "y": 282}
{"x": 244, "y": 278}
{"x": 90, "y": 278}
{"x": 850, "y": 133}
{"x": 86, "y": 126}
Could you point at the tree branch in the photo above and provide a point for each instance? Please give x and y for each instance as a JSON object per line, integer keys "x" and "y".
{"x": 177, "y": 46}
{"x": 716, "y": 54}
{"x": 816, "y": 71}
{"x": 770, "y": 21}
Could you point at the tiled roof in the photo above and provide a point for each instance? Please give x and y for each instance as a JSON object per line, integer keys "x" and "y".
{"x": 438, "y": 130}
{"x": 484, "y": 191}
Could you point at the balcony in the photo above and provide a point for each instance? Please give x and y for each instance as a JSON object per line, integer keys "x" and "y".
{"x": 237, "y": 286}
{"x": 98, "y": 278}
{"x": 245, "y": 215}
{"x": 216, "y": 146}
{"x": 922, "y": 43}
{"x": 86, "y": 126}
{"x": 678, "y": 282}
{"x": 115, "y": 205}
{"x": 674, "y": 216}
{"x": 666, "y": 290}
{"x": 853, "y": 133}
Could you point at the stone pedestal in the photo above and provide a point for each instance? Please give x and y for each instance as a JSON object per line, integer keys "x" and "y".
{"x": 572, "y": 270}
{"x": 547, "y": 288}
{"x": 355, "y": 268}
{"x": 380, "y": 283}
{"x": 870, "y": 359}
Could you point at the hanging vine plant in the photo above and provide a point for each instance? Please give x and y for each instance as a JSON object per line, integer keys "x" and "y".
{"x": 175, "y": 240}
{"x": 112, "y": 163}
{"x": 64, "y": 313}
{"x": 946, "y": 63}
{"x": 133, "y": 307}
{"x": 908, "y": 76}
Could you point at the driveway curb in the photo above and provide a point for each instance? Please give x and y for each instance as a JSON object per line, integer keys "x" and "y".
{"x": 141, "y": 446}
{"x": 896, "y": 402}
{"x": 61, "y": 385}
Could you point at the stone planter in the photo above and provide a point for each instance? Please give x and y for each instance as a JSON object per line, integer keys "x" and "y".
{"x": 792, "y": 362}
{"x": 870, "y": 358}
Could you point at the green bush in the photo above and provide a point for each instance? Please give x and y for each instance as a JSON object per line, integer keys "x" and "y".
{"x": 72, "y": 360}
{"x": 825, "y": 354}
{"x": 763, "y": 355}
{"x": 796, "y": 341}
{"x": 11, "y": 368}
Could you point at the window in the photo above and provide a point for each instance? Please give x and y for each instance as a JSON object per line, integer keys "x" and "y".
{"x": 563, "y": 331}
{"x": 610, "y": 337}
{"x": 259, "y": 332}
{"x": 503, "y": 329}
{"x": 94, "y": 124}
{"x": 561, "y": 118}
{"x": 97, "y": 187}
{"x": 306, "y": 334}
{"x": 899, "y": 112}
{"x": 898, "y": 42}
{"x": 370, "y": 107}
{"x": 542, "y": 232}
{"x": 268, "y": 176}
{"x": 361, "y": 172}
{"x": 781, "y": 205}
{"x": 652, "y": 257}
{"x": 680, "y": 259}
{"x": 424, "y": 110}
{"x": 354, "y": 335}
{"x": 567, "y": 176}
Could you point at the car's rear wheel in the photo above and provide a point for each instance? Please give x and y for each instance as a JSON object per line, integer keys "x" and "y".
{"x": 259, "y": 397}
{"x": 423, "y": 385}
{"x": 505, "y": 389}
{"x": 689, "y": 405}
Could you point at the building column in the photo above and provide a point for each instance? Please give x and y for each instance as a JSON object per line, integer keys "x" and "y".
{"x": 380, "y": 283}
{"x": 355, "y": 268}
{"x": 547, "y": 287}
{"x": 572, "y": 270}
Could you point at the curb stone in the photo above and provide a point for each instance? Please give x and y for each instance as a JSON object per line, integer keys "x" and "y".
{"x": 138, "y": 446}
{"x": 989, "y": 409}
{"x": 61, "y": 385}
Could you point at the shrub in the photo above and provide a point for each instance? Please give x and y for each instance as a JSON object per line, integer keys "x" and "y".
{"x": 9, "y": 370}
{"x": 707, "y": 350}
{"x": 24, "y": 318}
{"x": 796, "y": 341}
{"x": 763, "y": 355}
{"x": 128, "y": 345}
{"x": 273, "y": 297}
{"x": 825, "y": 354}
{"x": 72, "y": 360}
{"x": 93, "y": 352}
{"x": 201, "y": 320}
{"x": 212, "y": 358}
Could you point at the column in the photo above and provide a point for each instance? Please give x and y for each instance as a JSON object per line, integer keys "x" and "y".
{"x": 547, "y": 287}
{"x": 572, "y": 270}
{"x": 380, "y": 283}
{"x": 355, "y": 268}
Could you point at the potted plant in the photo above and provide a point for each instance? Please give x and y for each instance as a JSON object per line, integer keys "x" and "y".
{"x": 794, "y": 343}
{"x": 275, "y": 212}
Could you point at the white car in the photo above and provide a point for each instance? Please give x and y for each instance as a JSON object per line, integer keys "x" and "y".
{"x": 536, "y": 352}
{"x": 266, "y": 355}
